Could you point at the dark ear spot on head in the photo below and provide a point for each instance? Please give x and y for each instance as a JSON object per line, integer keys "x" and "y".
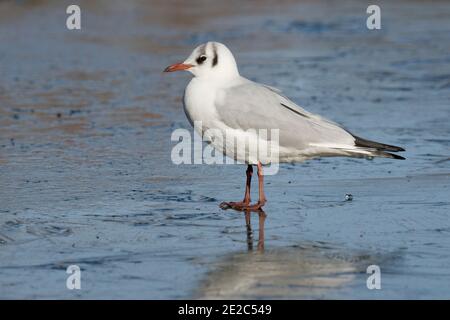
{"x": 216, "y": 57}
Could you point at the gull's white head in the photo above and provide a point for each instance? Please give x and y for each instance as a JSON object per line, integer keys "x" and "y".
{"x": 212, "y": 60}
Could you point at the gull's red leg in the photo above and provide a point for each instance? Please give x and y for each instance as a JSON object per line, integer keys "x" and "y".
{"x": 245, "y": 205}
{"x": 262, "y": 197}
{"x": 249, "y": 174}
{"x": 246, "y": 202}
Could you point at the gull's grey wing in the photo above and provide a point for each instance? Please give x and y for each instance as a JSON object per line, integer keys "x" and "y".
{"x": 254, "y": 106}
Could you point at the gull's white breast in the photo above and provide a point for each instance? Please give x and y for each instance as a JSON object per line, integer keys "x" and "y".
{"x": 201, "y": 99}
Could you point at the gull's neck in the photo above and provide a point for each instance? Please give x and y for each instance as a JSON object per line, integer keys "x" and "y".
{"x": 221, "y": 80}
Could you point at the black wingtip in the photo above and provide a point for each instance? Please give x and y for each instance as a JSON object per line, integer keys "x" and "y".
{"x": 364, "y": 143}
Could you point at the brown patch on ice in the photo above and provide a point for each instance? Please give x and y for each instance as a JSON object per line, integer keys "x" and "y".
{"x": 12, "y": 10}
{"x": 78, "y": 75}
{"x": 67, "y": 128}
{"x": 133, "y": 115}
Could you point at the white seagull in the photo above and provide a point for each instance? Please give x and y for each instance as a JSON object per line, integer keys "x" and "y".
{"x": 226, "y": 102}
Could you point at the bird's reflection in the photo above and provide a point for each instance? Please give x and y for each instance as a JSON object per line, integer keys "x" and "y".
{"x": 261, "y": 220}
{"x": 308, "y": 269}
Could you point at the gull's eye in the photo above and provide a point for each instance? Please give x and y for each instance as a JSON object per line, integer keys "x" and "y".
{"x": 201, "y": 59}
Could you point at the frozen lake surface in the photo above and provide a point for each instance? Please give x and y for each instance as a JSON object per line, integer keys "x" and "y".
{"x": 86, "y": 177}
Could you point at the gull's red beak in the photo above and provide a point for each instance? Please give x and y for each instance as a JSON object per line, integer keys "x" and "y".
{"x": 178, "y": 67}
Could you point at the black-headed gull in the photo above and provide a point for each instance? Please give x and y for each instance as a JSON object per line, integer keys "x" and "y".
{"x": 225, "y": 102}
